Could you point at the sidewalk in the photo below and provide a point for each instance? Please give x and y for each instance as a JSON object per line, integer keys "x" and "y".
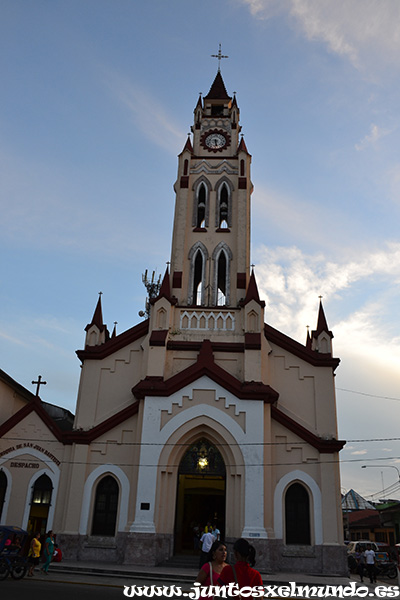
{"x": 172, "y": 575}
{"x": 119, "y": 576}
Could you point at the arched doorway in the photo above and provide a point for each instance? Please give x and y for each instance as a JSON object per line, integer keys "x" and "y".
{"x": 40, "y": 504}
{"x": 200, "y": 494}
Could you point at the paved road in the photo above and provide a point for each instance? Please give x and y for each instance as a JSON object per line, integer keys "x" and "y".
{"x": 69, "y": 587}
{"x": 53, "y": 590}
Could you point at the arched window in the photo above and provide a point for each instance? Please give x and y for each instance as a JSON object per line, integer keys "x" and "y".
{"x": 221, "y": 279}
{"x": 242, "y": 168}
{"x": 42, "y": 491}
{"x": 105, "y": 507}
{"x": 223, "y": 208}
{"x": 223, "y": 215}
{"x": 3, "y": 489}
{"x": 197, "y": 279}
{"x": 185, "y": 167}
{"x": 201, "y": 207}
{"x": 198, "y": 258}
{"x": 297, "y": 515}
{"x": 222, "y": 256}
{"x": 201, "y": 189}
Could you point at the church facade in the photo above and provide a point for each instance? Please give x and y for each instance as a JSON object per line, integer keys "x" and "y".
{"x": 201, "y": 412}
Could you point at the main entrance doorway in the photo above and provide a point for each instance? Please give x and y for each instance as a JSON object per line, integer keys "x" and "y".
{"x": 200, "y": 494}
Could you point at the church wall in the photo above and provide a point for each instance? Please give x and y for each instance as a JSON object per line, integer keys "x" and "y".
{"x": 28, "y": 451}
{"x": 297, "y": 461}
{"x": 10, "y": 402}
{"x": 306, "y": 393}
{"x": 105, "y": 385}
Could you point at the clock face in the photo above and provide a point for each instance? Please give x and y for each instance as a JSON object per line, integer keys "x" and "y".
{"x": 215, "y": 140}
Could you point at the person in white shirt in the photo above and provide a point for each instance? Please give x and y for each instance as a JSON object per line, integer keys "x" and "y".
{"x": 370, "y": 562}
{"x": 207, "y": 540}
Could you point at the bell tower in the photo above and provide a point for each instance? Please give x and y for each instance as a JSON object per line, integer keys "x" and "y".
{"x": 210, "y": 255}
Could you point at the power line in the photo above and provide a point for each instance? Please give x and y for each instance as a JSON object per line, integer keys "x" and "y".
{"x": 189, "y": 444}
{"x": 307, "y": 463}
{"x": 369, "y": 395}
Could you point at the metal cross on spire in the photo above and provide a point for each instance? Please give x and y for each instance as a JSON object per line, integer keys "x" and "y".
{"x": 219, "y": 56}
{"x": 38, "y": 383}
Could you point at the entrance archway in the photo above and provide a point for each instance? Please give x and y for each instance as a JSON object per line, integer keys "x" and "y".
{"x": 201, "y": 493}
{"x": 40, "y": 504}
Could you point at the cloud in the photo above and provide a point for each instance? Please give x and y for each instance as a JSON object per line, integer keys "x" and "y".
{"x": 376, "y": 133}
{"x": 359, "y": 30}
{"x": 292, "y": 280}
{"x": 357, "y": 452}
{"x": 147, "y": 113}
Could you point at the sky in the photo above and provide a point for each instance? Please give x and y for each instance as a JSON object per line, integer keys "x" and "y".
{"x": 96, "y": 101}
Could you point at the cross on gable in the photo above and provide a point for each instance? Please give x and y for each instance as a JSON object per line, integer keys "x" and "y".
{"x": 38, "y": 383}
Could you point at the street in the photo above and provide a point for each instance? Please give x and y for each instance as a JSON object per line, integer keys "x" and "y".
{"x": 46, "y": 589}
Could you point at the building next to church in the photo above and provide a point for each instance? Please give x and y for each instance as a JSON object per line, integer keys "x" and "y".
{"x": 200, "y": 412}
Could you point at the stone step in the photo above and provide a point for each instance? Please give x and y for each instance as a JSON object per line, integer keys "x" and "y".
{"x": 185, "y": 561}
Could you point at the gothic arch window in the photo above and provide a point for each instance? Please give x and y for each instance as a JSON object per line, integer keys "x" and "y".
{"x": 185, "y": 167}
{"x": 242, "y": 168}
{"x": 202, "y": 458}
{"x": 198, "y": 259}
{"x": 3, "y": 489}
{"x": 223, "y": 216}
{"x": 105, "y": 507}
{"x": 42, "y": 491}
{"x": 222, "y": 257}
{"x": 201, "y": 203}
{"x": 297, "y": 515}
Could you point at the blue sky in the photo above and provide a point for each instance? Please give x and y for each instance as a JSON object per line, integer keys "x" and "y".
{"x": 96, "y": 101}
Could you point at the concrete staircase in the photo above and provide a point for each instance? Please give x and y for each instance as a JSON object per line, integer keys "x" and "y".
{"x": 183, "y": 561}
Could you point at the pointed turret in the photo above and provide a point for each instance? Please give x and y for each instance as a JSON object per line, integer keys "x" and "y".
{"x": 218, "y": 89}
{"x": 242, "y": 146}
{"x": 252, "y": 292}
{"x": 165, "y": 289}
{"x": 188, "y": 146}
{"x": 96, "y": 331}
{"x": 308, "y": 339}
{"x": 97, "y": 318}
{"x": 322, "y": 337}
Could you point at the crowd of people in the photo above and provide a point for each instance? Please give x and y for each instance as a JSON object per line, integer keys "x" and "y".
{"x": 41, "y": 548}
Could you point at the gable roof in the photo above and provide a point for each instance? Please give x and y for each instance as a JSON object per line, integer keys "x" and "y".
{"x": 205, "y": 365}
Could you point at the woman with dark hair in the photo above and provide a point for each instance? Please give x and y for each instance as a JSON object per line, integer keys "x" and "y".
{"x": 242, "y": 573}
{"x": 212, "y": 569}
{"x": 48, "y": 552}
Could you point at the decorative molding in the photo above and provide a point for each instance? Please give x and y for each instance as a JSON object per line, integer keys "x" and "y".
{"x": 315, "y": 505}
{"x": 201, "y": 320}
{"x": 88, "y": 495}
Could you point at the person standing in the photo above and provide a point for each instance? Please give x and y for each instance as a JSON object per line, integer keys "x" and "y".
{"x": 370, "y": 562}
{"x": 206, "y": 540}
{"x": 360, "y": 559}
{"x": 211, "y": 570}
{"x": 34, "y": 554}
{"x": 48, "y": 552}
{"x": 242, "y": 573}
